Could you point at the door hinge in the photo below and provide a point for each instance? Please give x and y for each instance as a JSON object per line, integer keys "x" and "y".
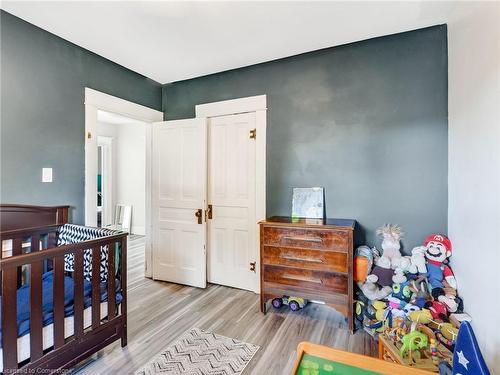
{"x": 252, "y": 266}
{"x": 89, "y": 135}
{"x": 253, "y": 134}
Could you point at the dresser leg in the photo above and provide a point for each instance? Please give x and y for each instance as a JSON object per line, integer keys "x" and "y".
{"x": 262, "y": 304}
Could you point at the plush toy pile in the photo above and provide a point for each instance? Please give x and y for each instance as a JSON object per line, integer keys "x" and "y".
{"x": 403, "y": 297}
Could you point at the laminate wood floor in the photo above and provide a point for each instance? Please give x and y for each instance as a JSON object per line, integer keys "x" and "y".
{"x": 159, "y": 312}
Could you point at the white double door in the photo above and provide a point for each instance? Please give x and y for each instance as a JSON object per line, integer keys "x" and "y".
{"x": 203, "y": 201}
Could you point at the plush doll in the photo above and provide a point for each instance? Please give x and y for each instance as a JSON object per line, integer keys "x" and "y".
{"x": 438, "y": 250}
{"x": 391, "y": 234}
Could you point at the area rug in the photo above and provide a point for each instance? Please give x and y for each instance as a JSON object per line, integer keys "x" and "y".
{"x": 199, "y": 352}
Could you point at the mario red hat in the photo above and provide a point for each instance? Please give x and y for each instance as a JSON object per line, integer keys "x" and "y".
{"x": 440, "y": 238}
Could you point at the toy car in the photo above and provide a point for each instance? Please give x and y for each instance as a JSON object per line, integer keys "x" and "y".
{"x": 295, "y": 303}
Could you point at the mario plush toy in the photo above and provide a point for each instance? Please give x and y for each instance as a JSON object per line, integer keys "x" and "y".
{"x": 438, "y": 249}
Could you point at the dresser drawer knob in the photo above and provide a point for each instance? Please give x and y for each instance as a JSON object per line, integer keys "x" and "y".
{"x": 302, "y": 259}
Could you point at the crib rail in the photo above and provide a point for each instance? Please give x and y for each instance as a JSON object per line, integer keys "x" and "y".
{"x": 42, "y": 255}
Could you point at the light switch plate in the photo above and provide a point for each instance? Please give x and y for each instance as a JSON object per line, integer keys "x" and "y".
{"x": 46, "y": 174}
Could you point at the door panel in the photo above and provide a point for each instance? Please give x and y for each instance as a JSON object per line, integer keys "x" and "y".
{"x": 231, "y": 191}
{"x": 179, "y": 190}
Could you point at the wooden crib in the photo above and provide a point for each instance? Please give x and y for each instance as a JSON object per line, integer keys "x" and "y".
{"x": 81, "y": 319}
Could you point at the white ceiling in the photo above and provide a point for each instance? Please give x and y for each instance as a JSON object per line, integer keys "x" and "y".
{"x": 171, "y": 41}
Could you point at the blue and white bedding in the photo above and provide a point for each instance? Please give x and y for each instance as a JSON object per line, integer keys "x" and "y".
{"x": 23, "y": 298}
{"x": 72, "y": 233}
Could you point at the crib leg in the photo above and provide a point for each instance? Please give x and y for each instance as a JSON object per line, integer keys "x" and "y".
{"x": 124, "y": 337}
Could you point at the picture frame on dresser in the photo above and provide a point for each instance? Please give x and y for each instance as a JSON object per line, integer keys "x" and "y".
{"x": 312, "y": 259}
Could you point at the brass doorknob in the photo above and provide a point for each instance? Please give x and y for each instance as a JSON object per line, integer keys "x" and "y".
{"x": 198, "y": 214}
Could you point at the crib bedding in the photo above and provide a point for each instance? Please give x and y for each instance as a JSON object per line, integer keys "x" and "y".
{"x": 23, "y": 298}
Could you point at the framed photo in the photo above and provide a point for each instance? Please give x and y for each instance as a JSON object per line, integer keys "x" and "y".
{"x": 308, "y": 203}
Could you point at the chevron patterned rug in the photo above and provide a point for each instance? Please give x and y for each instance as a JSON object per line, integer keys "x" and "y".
{"x": 198, "y": 352}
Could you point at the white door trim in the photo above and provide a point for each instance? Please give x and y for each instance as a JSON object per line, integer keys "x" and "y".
{"x": 233, "y": 106}
{"x": 123, "y": 107}
{"x": 257, "y": 104}
{"x": 94, "y": 101}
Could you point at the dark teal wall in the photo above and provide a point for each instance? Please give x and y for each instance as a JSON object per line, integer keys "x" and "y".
{"x": 367, "y": 120}
{"x": 42, "y": 111}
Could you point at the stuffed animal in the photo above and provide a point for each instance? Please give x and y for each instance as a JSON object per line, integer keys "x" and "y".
{"x": 383, "y": 272}
{"x": 402, "y": 265}
{"x": 381, "y": 310}
{"x": 418, "y": 260}
{"x": 423, "y": 316}
{"x": 391, "y": 234}
{"x": 363, "y": 262}
{"x": 409, "y": 308}
{"x": 396, "y": 303}
{"x": 360, "y": 306}
{"x": 372, "y": 291}
{"x": 438, "y": 310}
{"x": 438, "y": 250}
{"x": 401, "y": 291}
{"x": 420, "y": 294}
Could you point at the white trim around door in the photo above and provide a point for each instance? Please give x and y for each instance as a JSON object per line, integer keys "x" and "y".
{"x": 258, "y": 105}
{"x": 95, "y": 101}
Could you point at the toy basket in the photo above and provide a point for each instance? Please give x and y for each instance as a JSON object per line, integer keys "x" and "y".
{"x": 421, "y": 359}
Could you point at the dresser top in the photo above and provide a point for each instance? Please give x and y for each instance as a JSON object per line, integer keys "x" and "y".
{"x": 323, "y": 223}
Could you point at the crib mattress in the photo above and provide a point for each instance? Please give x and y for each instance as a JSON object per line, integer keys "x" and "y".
{"x": 23, "y": 342}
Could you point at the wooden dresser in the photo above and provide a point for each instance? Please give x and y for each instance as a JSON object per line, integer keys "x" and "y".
{"x": 308, "y": 258}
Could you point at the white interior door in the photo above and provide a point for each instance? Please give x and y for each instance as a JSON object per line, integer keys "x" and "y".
{"x": 179, "y": 165}
{"x": 232, "y": 230}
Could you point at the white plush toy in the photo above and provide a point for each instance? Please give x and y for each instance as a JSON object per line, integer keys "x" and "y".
{"x": 372, "y": 291}
{"x": 399, "y": 278}
{"x": 402, "y": 264}
{"x": 391, "y": 234}
{"x": 418, "y": 260}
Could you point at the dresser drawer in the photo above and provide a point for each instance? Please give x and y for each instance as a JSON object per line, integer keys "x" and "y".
{"x": 331, "y": 261}
{"x": 307, "y": 279}
{"x": 306, "y": 238}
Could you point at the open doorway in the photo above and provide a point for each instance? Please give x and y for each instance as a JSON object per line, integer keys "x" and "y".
{"x": 118, "y": 167}
{"x": 121, "y": 173}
